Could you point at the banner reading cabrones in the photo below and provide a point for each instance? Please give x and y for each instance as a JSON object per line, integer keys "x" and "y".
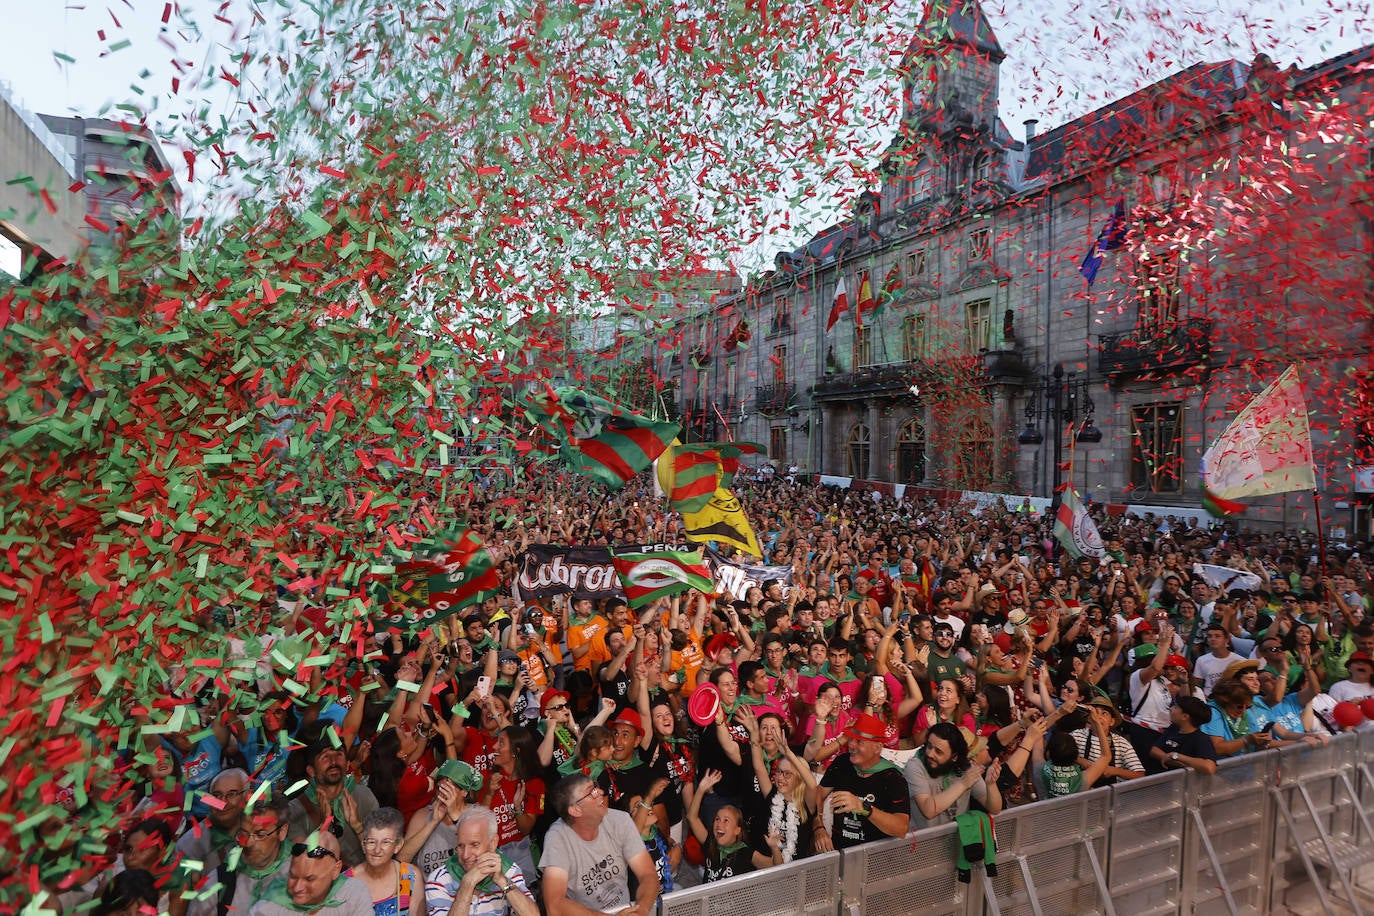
{"x": 547, "y": 570}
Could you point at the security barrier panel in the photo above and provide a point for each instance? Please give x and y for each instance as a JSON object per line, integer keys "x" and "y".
{"x": 912, "y": 874}
{"x": 1321, "y": 822}
{"x": 1229, "y": 834}
{"x": 1149, "y": 820}
{"x": 1051, "y": 857}
{"x": 1364, "y": 794}
{"x": 1275, "y": 832}
{"x": 800, "y": 888}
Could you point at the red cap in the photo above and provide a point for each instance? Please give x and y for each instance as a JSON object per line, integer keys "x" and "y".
{"x": 1176, "y": 661}
{"x": 720, "y": 641}
{"x": 631, "y": 718}
{"x": 549, "y": 697}
{"x": 1144, "y": 628}
{"x": 867, "y": 727}
{"x": 1002, "y": 641}
{"x": 1359, "y": 657}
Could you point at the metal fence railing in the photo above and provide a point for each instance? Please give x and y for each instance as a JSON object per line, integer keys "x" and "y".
{"x": 1294, "y": 824}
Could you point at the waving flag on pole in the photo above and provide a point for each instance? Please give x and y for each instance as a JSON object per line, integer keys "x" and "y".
{"x": 689, "y": 475}
{"x": 650, "y": 575}
{"x": 722, "y": 520}
{"x": 1267, "y": 449}
{"x": 865, "y": 301}
{"x": 1075, "y": 529}
{"x": 892, "y": 285}
{"x": 1112, "y": 237}
{"x": 600, "y": 439}
{"x": 840, "y": 305}
{"x": 452, "y": 572}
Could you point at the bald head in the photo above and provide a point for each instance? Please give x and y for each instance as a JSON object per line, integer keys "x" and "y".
{"x": 314, "y": 866}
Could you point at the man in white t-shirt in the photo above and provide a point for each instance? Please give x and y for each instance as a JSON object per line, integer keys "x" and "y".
{"x": 1208, "y": 668}
{"x": 1150, "y": 695}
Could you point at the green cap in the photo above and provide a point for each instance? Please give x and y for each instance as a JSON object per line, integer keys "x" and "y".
{"x": 460, "y": 774}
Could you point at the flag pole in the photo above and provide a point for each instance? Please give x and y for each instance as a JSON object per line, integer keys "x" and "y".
{"x": 1321, "y": 538}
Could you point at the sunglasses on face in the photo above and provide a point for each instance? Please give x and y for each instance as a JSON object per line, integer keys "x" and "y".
{"x": 319, "y": 852}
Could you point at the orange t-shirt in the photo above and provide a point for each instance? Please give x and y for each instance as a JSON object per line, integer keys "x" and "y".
{"x": 585, "y": 634}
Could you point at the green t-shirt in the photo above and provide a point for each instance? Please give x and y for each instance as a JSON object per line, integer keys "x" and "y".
{"x": 1061, "y": 781}
{"x": 944, "y": 668}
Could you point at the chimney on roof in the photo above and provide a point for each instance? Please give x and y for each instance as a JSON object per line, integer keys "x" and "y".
{"x": 1030, "y": 128}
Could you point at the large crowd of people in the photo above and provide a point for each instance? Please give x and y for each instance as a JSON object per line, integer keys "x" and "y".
{"x": 924, "y": 664}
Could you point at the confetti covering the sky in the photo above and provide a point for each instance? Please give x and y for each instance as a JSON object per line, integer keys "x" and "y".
{"x": 261, "y": 401}
{"x": 272, "y": 403}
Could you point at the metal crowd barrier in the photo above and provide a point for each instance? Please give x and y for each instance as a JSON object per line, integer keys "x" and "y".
{"x": 806, "y": 886}
{"x": 1269, "y": 833}
{"x": 1228, "y": 836}
{"x": 1145, "y": 865}
{"x": 910, "y": 874}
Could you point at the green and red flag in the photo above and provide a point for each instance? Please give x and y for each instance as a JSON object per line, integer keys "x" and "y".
{"x": 599, "y": 439}
{"x": 1218, "y": 507}
{"x": 452, "y": 572}
{"x": 892, "y": 285}
{"x": 1266, "y": 449}
{"x": 1075, "y": 529}
{"x": 649, "y": 575}
{"x": 689, "y": 475}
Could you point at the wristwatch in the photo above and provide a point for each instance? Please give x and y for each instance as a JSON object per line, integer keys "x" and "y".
{"x": 867, "y": 808}
{"x": 1174, "y": 756}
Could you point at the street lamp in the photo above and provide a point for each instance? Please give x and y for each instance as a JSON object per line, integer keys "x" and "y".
{"x": 1054, "y": 401}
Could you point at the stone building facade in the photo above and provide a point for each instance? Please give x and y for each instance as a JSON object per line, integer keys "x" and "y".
{"x": 993, "y": 364}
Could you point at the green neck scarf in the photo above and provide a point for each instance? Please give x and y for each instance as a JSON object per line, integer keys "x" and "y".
{"x": 335, "y": 807}
{"x": 257, "y": 873}
{"x": 727, "y": 851}
{"x": 277, "y": 893}
{"x": 486, "y": 885}
{"x": 882, "y": 766}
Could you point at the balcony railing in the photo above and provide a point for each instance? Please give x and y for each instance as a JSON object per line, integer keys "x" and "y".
{"x": 888, "y": 378}
{"x": 1163, "y": 347}
{"x": 775, "y": 399}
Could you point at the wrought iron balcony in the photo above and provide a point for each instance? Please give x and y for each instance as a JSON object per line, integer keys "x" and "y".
{"x": 775, "y": 399}
{"x": 886, "y": 379}
{"x": 1175, "y": 345}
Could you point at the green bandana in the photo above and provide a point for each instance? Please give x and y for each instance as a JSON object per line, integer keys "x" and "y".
{"x": 256, "y": 873}
{"x": 486, "y": 885}
{"x": 727, "y": 851}
{"x": 592, "y": 769}
{"x": 881, "y": 766}
{"x": 336, "y": 807}
{"x": 277, "y": 893}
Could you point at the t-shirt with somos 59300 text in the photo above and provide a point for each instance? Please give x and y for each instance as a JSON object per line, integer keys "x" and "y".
{"x": 599, "y": 870}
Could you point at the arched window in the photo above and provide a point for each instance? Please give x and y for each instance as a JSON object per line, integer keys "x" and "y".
{"x": 857, "y": 450}
{"x": 982, "y": 168}
{"x": 973, "y": 454}
{"x": 911, "y": 452}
